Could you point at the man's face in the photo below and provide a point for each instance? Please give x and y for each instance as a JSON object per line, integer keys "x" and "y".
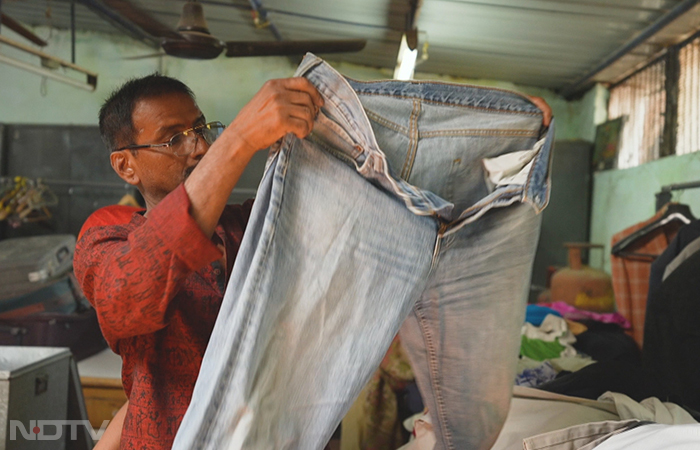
{"x": 156, "y": 120}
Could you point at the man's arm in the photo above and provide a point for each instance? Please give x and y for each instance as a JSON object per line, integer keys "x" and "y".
{"x": 112, "y": 435}
{"x": 130, "y": 274}
{"x": 131, "y": 278}
{"x": 280, "y": 107}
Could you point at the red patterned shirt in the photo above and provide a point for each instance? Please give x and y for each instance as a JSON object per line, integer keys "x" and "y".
{"x": 157, "y": 284}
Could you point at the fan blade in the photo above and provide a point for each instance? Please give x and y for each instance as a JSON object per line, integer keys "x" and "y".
{"x": 152, "y": 55}
{"x": 193, "y": 45}
{"x": 18, "y": 28}
{"x": 284, "y": 48}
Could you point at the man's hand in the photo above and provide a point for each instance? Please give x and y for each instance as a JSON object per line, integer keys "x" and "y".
{"x": 546, "y": 110}
{"x": 281, "y": 106}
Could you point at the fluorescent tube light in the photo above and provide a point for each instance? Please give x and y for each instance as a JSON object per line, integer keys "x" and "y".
{"x": 45, "y": 73}
{"x": 406, "y": 62}
{"x": 48, "y": 60}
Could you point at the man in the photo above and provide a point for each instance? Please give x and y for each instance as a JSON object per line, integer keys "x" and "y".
{"x": 157, "y": 277}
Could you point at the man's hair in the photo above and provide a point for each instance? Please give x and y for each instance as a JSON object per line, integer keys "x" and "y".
{"x": 116, "y": 123}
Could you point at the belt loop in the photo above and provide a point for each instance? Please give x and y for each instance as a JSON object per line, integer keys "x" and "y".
{"x": 440, "y": 236}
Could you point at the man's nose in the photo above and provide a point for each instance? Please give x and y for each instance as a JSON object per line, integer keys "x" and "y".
{"x": 200, "y": 147}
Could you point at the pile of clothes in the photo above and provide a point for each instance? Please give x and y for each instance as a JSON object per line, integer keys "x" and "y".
{"x": 559, "y": 339}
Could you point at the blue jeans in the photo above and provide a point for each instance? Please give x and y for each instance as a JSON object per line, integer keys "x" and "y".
{"x": 333, "y": 263}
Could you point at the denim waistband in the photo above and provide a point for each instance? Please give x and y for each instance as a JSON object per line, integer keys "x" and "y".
{"x": 491, "y": 99}
{"x": 344, "y": 120}
{"x": 343, "y": 106}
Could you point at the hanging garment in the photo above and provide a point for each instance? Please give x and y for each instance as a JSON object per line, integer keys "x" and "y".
{"x": 686, "y": 253}
{"x": 631, "y": 270}
{"x": 685, "y": 236}
{"x": 672, "y": 334}
{"x": 338, "y": 252}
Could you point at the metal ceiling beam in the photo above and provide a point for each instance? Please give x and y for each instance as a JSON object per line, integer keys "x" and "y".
{"x": 50, "y": 60}
{"x": 261, "y": 12}
{"x": 125, "y": 25}
{"x": 18, "y": 28}
{"x": 72, "y": 31}
{"x": 411, "y": 30}
{"x": 584, "y": 83}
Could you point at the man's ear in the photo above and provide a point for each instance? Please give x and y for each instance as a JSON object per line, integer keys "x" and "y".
{"x": 123, "y": 163}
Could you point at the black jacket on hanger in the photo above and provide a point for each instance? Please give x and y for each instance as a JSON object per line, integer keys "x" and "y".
{"x": 672, "y": 333}
{"x": 685, "y": 236}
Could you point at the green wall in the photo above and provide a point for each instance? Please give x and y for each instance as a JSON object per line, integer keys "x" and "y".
{"x": 222, "y": 86}
{"x": 624, "y": 197}
{"x": 620, "y": 198}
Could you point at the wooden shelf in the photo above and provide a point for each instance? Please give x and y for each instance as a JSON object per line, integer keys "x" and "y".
{"x": 103, "y": 398}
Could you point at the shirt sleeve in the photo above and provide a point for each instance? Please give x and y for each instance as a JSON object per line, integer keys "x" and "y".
{"x": 130, "y": 275}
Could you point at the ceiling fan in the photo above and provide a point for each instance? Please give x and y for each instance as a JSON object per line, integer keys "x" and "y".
{"x": 192, "y": 39}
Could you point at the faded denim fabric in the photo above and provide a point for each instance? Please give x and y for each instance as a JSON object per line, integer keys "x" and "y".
{"x": 413, "y": 200}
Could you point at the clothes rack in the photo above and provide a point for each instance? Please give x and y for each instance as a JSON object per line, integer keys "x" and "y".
{"x": 664, "y": 195}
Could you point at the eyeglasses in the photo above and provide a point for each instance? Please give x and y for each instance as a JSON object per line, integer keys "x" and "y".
{"x": 185, "y": 142}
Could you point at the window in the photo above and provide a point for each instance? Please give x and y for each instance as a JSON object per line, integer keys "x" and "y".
{"x": 641, "y": 101}
{"x": 688, "y": 133}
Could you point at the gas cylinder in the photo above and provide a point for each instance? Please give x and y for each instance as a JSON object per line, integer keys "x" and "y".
{"x": 582, "y": 286}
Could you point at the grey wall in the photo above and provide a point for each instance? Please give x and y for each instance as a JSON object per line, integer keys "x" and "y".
{"x": 566, "y": 218}
{"x": 75, "y": 164}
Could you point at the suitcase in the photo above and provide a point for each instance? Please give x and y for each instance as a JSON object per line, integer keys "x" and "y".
{"x": 77, "y": 330}
{"x": 56, "y": 315}
{"x": 24, "y": 262}
{"x": 51, "y": 296}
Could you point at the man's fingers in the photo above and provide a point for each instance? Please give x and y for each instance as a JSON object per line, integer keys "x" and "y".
{"x": 300, "y": 98}
{"x": 304, "y": 85}
{"x": 282, "y": 106}
{"x": 305, "y": 113}
{"x": 300, "y": 127}
{"x": 544, "y": 107}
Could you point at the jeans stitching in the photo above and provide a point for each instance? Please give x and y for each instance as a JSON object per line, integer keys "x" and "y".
{"x": 205, "y": 434}
{"x": 413, "y": 141}
{"x": 524, "y": 196}
{"x": 439, "y": 83}
{"x": 457, "y": 132}
{"x": 434, "y": 373}
{"x": 526, "y": 188}
{"x": 386, "y": 122}
{"x": 336, "y": 153}
{"x": 454, "y": 105}
{"x": 321, "y": 86}
{"x": 479, "y": 132}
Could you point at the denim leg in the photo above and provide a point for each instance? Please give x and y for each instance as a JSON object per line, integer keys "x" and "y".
{"x": 309, "y": 315}
{"x": 463, "y": 335}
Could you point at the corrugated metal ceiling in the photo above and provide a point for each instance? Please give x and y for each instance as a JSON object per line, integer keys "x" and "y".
{"x": 548, "y": 43}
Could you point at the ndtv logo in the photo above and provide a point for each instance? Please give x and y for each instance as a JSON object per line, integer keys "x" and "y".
{"x": 38, "y": 432}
